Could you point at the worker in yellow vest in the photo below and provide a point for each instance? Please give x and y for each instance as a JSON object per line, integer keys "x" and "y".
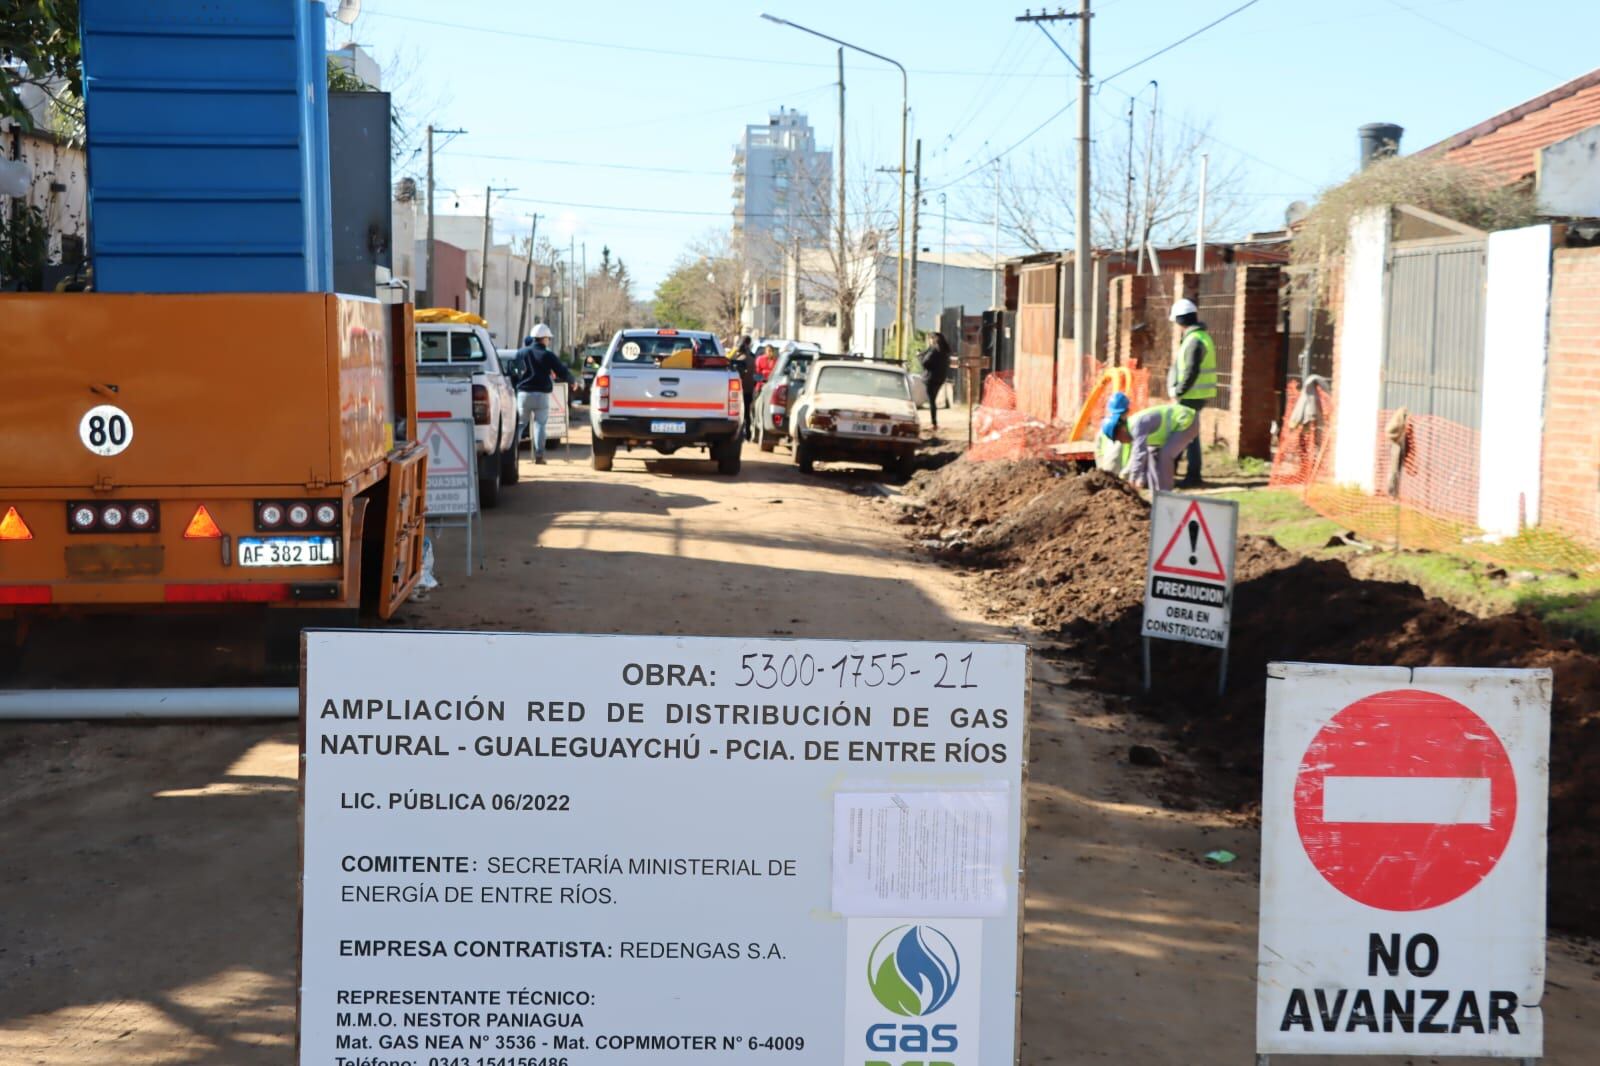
{"x": 1192, "y": 378}
{"x": 1157, "y": 435}
{"x": 1110, "y": 454}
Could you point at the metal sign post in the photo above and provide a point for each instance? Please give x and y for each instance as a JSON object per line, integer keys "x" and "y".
{"x": 453, "y": 479}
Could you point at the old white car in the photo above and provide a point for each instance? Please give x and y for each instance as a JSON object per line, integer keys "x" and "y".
{"x": 855, "y": 411}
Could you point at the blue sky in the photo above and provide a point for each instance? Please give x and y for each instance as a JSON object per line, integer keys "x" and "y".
{"x": 564, "y": 101}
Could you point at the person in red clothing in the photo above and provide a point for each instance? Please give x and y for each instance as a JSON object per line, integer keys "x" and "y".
{"x": 767, "y": 360}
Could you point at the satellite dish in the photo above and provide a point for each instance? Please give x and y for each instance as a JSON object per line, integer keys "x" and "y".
{"x": 348, "y": 12}
{"x": 1296, "y": 212}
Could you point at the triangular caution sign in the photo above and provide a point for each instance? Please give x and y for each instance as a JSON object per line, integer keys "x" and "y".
{"x": 1192, "y": 552}
{"x": 441, "y": 450}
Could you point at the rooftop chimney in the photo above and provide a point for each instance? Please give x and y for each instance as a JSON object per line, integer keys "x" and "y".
{"x": 1379, "y": 140}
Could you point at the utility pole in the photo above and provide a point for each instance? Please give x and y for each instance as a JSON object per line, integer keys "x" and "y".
{"x": 527, "y": 282}
{"x": 572, "y": 290}
{"x": 944, "y": 249}
{"x": 1200, "y": 225}
{"x": 583, "y": 279}
{"x": 916, "y": 241}
{"x": 1083, "y": 255}
{"x": 1149, "y": 163}
{"x": 844, "y": 271}
{"x": 483, "y": 261}
{"x": 994, "y": 273}
{"x": 1127, "y": 225}
{"x": 427, "y": 270}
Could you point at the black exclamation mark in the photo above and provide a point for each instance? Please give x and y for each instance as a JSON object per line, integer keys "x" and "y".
{"x": 1194, "y": 541}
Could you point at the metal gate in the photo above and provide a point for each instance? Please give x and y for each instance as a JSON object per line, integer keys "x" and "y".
{"x": 1433, "y": 358}
{"x": 1433, "y": 367}
{"x": 1036, "y": 341}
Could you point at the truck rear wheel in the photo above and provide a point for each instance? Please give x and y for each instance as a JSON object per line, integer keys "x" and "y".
{"x": 728, "y": 454}
{"x": 510, "y": 469}
{"x": 604, "y": 453}
{"x": 489, "y": 491}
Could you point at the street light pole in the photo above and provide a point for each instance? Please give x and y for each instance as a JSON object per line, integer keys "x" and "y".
{"x": 905, "y": 118}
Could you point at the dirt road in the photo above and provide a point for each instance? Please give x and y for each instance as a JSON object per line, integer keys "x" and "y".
{"x": 147, "y": 887}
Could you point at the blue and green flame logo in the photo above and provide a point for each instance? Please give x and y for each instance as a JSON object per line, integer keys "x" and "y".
{"x": 913, "y": 970}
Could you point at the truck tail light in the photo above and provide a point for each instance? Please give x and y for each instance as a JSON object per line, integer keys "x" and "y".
{"x": 602, "y": 393}
{"x": 117, "y": 516}
{"x": 12, "y": 527}
{"x": 480, "y": 404}
{"x": 780, "y": 396}
{"x": 202, "y": 526}
{"x": 735, "y": 397}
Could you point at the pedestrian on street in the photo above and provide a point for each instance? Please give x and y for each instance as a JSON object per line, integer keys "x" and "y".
{"x": 1192, "y": 378}
{"x": 541, "y": 368}
{"x": 744, "y": 361}
{"x": 935, "y": 370}
{"x": 1157, "y": 435}
{"x": 767, "y": 362}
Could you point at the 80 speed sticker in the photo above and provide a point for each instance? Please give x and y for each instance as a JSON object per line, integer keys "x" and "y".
{"x": 106, "y": 430}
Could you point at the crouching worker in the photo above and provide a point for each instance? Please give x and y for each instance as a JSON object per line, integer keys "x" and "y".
{"x": 1157, "y": 436}
{"x": 1110, "y": 454}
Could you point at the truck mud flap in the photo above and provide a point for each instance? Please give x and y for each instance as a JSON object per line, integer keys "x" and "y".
{"x": 403, "y": 526}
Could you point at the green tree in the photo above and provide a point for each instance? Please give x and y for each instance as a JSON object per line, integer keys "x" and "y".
{"x": 39, "y": 47}
{"x": 679, "y": 293}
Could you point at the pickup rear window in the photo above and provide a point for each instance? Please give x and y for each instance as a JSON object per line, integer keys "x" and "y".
{"x": 438, "y": 347}
{"x": 649, "y": 349}
{"x": 859, "y": 381}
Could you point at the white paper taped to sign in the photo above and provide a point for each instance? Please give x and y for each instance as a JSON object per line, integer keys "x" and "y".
{"x": 914, "y": 853}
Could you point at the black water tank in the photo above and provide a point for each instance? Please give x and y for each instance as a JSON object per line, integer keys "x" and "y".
{"x": 1379, "y": 139}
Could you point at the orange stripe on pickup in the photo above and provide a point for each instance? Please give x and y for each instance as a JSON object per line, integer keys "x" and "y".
{"x": 673, "y": 405}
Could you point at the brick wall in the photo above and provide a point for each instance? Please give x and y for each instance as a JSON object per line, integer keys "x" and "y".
{"x": 1570, "y": 470}
{"x": 1256, "y": 357}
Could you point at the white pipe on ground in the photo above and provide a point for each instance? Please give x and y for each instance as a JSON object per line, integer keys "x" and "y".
{"x": 67, "y": 704}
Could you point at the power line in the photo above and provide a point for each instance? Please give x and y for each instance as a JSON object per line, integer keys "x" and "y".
{"x": 1181, "y": 40}
{"x": 677, "y": 53}
{"x": 585, "y": 163}
{"x": 1001, "y": 155}
{"x": 1481, "y": 44}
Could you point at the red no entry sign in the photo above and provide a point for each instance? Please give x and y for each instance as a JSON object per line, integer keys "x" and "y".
{"x": 1405, "y": 800}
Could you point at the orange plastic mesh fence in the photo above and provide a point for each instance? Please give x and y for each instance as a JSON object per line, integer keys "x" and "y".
{"x": 1433, "y": 506}
{"x": 1000, "y": 431}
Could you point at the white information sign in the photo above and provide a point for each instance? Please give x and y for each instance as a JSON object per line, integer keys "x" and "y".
{"x": 1189, "y": 582}
{"x": 106, "y": 429}
{"x": 1403, "y": 861}
{"x": 570, "y": 849}
{"x": 451, "y": 465}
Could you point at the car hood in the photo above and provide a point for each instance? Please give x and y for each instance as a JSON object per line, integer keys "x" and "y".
{"x": 845, "y": 401}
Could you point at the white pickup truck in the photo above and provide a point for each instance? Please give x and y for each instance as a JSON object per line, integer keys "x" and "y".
{"x": 459, "y": 376}
{"x": 667, "y": 389}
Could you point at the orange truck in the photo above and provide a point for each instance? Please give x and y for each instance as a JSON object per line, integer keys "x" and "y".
{"x": 235, "y": 451}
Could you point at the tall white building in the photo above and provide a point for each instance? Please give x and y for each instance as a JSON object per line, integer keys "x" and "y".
{"x": 782, "y": 188}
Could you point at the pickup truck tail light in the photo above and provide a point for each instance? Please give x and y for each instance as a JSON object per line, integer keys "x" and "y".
{"x": 780, "y": 396}
{"x": 735, "y": 397}
{"x": 480, "y": 404}
{"x": 602, "y": 393}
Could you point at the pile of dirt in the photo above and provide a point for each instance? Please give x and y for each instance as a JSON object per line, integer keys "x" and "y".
{"x": 1068, "y": 553}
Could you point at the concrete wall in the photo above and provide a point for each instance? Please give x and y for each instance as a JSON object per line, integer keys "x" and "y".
{"x": 1568, "y": 179}
{"x": 1358, "y": 354}
{"x": 1570, "y": 477}
{"x": 1516, "y": 313}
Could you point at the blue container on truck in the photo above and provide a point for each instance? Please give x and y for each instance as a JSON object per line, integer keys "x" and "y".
{"x": 207, "y": 139}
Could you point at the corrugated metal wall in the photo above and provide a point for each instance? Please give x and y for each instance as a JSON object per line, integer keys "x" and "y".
{"x": 1433, "y": 361}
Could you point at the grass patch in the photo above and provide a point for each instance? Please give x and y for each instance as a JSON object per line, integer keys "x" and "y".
{"x": 1568, "y": 603}
{"x": 1283, "y": 516}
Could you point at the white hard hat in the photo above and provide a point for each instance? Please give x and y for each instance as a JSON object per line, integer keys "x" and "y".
{"x": 1183, "y": 307}
{"x": 542, "y": 332}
